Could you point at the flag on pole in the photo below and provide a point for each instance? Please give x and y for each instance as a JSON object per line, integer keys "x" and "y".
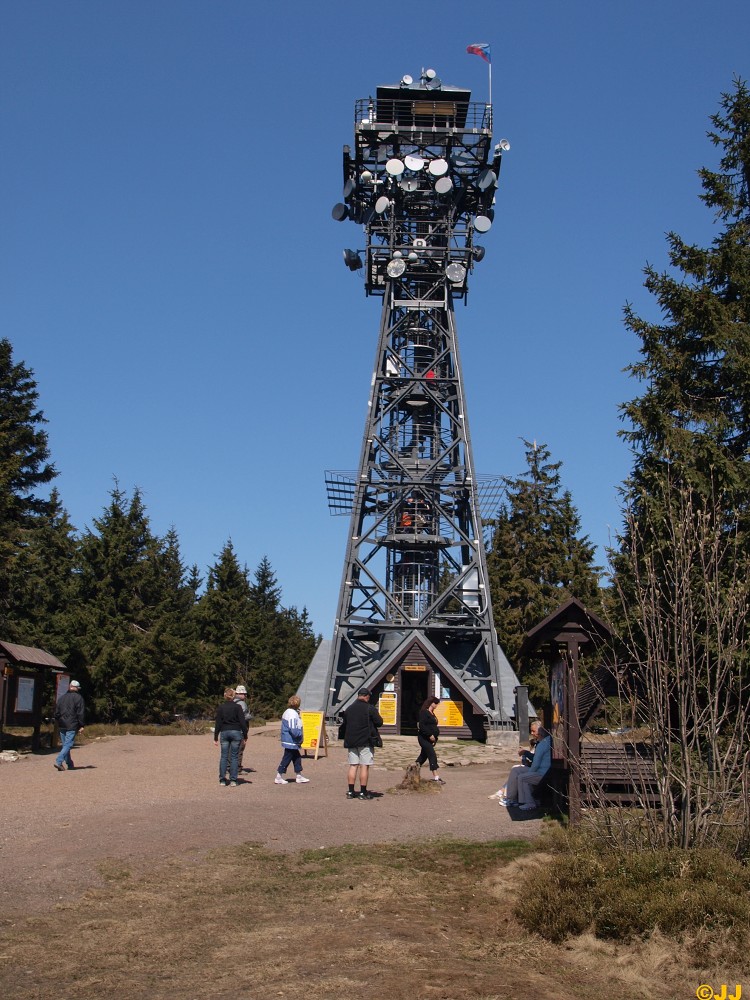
{"x": 480, "y": 49}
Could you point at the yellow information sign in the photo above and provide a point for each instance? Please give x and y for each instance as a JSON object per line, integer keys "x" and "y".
{"x": 450, "y": 713}
{"x": 314, "y": 730}
{"x": 387, "y": 708}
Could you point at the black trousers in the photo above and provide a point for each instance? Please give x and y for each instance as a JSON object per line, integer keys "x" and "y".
{"x": 427, "y": 752}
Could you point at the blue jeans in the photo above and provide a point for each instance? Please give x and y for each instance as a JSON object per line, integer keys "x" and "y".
{"x": 231, "y": 740}
{"x": 68, "y": 737}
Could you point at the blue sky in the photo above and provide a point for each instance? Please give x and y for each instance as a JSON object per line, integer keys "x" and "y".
{"x": 170, "y": 270}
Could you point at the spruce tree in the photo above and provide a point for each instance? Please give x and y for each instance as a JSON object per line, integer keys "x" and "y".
{"x": 222, "y": 615}
{"x": 43, "y": 585}
{"x": 170, "y": 644}
{"x": 268, "y": 638}
{"x": 691, "y": 425}
{"x": 690, "y": 485}
{"x": 131, "y": 600}
{"x": 537, "y": 558}
{"x": 25, "y": 468}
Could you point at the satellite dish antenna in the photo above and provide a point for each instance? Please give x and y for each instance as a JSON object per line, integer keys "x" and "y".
{"x": 409, "y": 183}
{"x": 395, "y": 268}
{"x": 421, "y": 244}
{"x": 382, "y": 204}
{"x": 486, "y": 179}
{"x": 455, "y": 273}
{"x": 340, "y": 212}
{"x": 438, "y": 167}
{"x": 482, "y": 223}
{"x": 394, "y": 167}
{"x": 413, "y": 162}
{"x": 503, "y": 146}
{"x": 406, "y": 80}
{"x": 443, "y": 185}
{"x": 349, "y": 188}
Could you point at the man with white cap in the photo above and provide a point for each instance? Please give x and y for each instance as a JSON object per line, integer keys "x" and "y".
{"x": 69, "y": 718}
{"x": 240, "y": 696}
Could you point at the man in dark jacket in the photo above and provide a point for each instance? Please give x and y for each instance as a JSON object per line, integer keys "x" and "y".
{"x": 69, "y": 719}
{"x": 361, "y": 723}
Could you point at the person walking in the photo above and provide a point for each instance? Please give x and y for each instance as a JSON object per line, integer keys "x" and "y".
{"x": 360, "y": 728}
{"x": 69, "y": 713}
{"x": 231, "y": 728}
{"x": 428, "y": 733}
{"x": 240, "y": 697}
{"x": 291, "y": 739}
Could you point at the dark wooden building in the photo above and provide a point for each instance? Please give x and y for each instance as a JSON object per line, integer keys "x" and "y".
{"x": 23, "y": 671}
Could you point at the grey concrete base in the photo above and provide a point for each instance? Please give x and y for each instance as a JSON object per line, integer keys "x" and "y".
{"x": 507, "y": 738}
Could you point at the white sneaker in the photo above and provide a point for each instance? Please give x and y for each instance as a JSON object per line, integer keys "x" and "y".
{"x": 497, "y": 795}
{"x": 279, "y": 780}
{"x": 301, "y": 779}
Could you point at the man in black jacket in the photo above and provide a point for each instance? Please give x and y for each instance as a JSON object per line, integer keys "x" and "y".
{"x": 69, "y": 719}
{"x": 361, "y": 723}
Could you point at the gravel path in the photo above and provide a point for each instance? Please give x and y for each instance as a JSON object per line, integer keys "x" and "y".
{"x": 142, "y": 799}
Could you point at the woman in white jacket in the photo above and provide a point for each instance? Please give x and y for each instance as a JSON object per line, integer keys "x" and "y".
{"x": 291, "y": 739}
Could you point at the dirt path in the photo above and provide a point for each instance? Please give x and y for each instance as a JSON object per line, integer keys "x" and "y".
{"x": 144, "y": 798}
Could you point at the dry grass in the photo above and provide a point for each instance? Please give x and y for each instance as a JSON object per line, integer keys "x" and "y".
{"x": 432, "y": 921}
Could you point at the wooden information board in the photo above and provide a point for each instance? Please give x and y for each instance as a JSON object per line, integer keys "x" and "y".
{"x": 387, "y": 708}
{"x": 315, "y": 737}
{"x": 450, "y": 713}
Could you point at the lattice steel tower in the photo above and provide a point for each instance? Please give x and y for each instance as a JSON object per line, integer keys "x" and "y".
{"x": 414, "y": 597}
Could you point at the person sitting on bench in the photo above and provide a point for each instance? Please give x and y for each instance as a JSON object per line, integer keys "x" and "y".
{"x": 518, "y": 790}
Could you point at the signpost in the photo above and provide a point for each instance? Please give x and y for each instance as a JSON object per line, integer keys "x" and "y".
{"x": 315, "y": 736}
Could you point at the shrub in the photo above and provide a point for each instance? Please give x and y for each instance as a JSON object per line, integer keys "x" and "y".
{"x": 629, "y": 895}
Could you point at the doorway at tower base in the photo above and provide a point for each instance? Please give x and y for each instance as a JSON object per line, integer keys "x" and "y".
{"x": 400, "y": 696}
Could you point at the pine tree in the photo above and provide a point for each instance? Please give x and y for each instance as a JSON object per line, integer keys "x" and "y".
{"x": 692, "y": 423}
{"x": 170, "y": 645}
{"x": 268, "y": 635}
{"x": 43, "y": 585}
{"x": 24, "y": 468}
{"x": 222, "y": 615}
{"x": 537, "y": 558}
{"x": 132, "y": 598}
{"x": 689, "y": 491}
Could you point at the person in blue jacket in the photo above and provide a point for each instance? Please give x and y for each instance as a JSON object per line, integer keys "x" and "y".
{"x": 291, "y": 740}
{"x": 523, "y": 777}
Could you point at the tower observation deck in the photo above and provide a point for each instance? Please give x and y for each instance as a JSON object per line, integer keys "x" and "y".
{"x": 414, "y": 616}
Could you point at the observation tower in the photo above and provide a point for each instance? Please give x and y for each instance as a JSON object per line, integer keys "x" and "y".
{"x": 414, "y": 616}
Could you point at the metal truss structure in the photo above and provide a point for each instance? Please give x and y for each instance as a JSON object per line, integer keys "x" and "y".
{"x": 421, "y": 180}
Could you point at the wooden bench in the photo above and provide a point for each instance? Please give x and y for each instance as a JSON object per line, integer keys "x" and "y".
{"x": 618, "y": 773}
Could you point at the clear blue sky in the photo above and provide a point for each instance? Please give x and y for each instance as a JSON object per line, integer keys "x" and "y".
{"x": 170, "y": 270}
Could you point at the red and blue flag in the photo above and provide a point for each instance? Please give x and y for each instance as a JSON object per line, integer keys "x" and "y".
{"x": 480, "y": 49}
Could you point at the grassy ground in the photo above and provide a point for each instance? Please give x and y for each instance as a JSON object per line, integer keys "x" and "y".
{"x": 433, "y": 920}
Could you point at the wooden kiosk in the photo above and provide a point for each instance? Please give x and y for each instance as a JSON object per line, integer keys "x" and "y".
{"x": 22, "y": 674}
{"x": 560, "y": 638}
